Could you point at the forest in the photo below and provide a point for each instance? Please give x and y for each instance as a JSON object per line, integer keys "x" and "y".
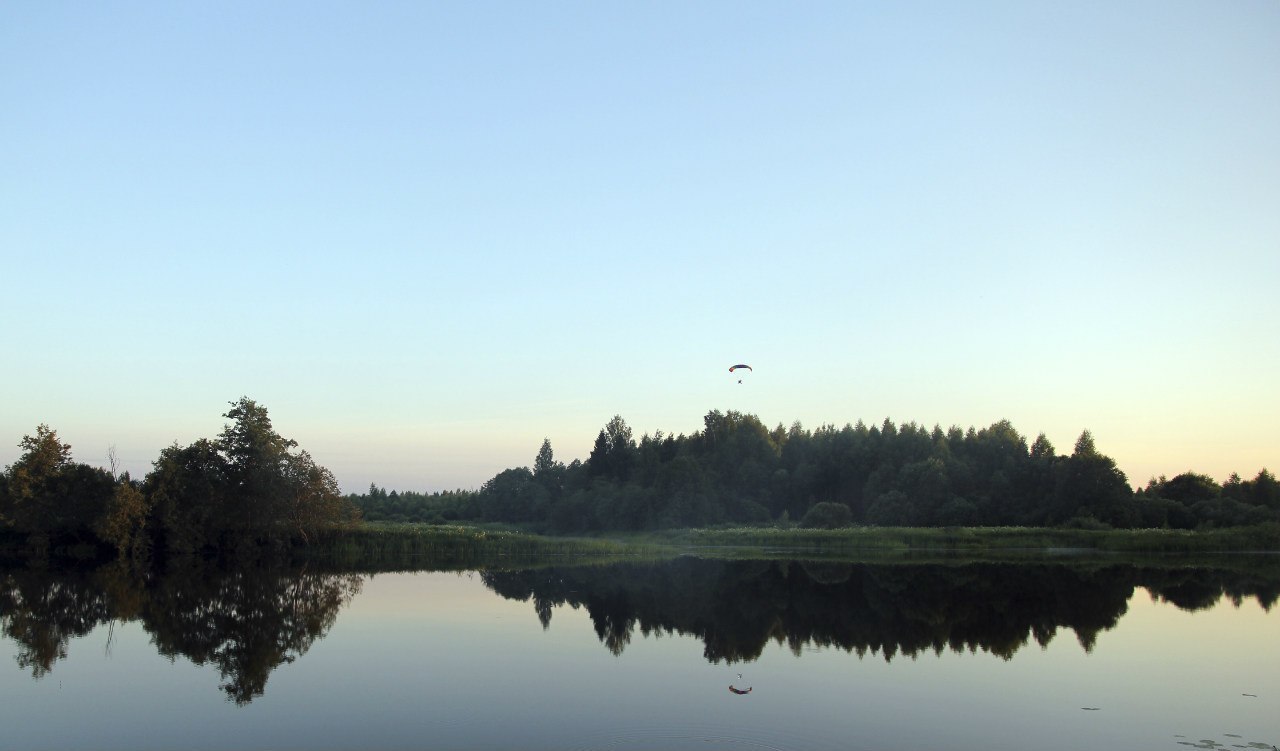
{"x": 243, "y": 492}
{"x": 736, "y": 471}
{"x": 251, "y": 489}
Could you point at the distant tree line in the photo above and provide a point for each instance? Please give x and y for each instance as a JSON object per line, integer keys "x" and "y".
{"x": 737, "y": 471}
{"x": 246, "y": 488}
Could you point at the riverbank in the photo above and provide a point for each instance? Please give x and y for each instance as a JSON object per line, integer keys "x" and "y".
{"x": 401, "y": 546}
{"x": 371, "y": 543}
{"x": 1259, "y": 539}
{"x": 379, "y": 547}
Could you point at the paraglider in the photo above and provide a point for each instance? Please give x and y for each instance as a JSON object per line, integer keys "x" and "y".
{"x": 736, "y": 367}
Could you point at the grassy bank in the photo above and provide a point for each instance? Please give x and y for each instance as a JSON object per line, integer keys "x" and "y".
{"x": 384, "y": 546}
{"x": 1264, "y": 538}
{"x": 390, "y": 546}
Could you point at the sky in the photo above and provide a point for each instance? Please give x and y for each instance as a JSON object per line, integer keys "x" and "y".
{"x": 426, "y": 236}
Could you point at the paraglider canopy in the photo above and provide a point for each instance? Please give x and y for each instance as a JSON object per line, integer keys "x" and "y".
{"x": 739, "y": 365}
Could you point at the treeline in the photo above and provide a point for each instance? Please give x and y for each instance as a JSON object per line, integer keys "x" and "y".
{"x": 246, "y": 489}
{"x": 737, "y": 471}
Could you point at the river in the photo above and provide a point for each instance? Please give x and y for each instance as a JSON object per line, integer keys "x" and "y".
{"x": 1042, "y": 655}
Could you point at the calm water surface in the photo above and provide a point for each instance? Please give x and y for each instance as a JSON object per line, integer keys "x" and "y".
{"x": 963, "y": 656}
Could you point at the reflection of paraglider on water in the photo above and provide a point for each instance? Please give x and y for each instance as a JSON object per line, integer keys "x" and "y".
{"x": 736, "y": 367}
{"x": 740, "y": 691}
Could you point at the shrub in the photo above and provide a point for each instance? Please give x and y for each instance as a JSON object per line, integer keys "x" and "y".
{"x": 827, "y": 515}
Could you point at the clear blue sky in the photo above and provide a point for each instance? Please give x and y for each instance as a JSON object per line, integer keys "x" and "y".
{"x": 428, "y": 235}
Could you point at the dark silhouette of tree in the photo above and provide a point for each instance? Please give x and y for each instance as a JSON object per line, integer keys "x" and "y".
{"x": 549, "y": 473}
{"x": 122, "y": 525}
{"x": 613, "y": 452}
{"x": 239, "y": 490}
{"x": 827, "y": 515}
{"x": 1189, "y": 488}
{"x": 312, "y": 501}
{"x": 737, "y": 471}
{"x": 513, "y": 495}
{"x": 187, "y": 490}
{"x": 257, "y": 459}
{"x": 51, "y": 499}
{"x": 1090, "y": 485}
{"x": 246, "y": 486}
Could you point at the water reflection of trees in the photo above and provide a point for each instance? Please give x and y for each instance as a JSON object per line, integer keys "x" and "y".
{"x": 245, "y": 622}
{"x": 737, "y": 608}
{"x": 42, "y": 612}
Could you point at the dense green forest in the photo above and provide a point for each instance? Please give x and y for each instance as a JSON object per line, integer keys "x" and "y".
{"x": 737, "y": 471}
{"x": 246, "y": 490}
{"x": 251, "y": 488}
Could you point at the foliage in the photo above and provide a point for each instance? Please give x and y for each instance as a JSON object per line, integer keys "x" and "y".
{"x": 50, "y": 499}
{"x": 378, "y": 546}
{"x": 187, "y": 489}
{"x": 827, "y": 515}
{"x": 735, "y": 471}
{"x": 857, "y": 542}
{"x": 246, "y": 486}
{"x": 244, "y": 489}
{"x": 250, "y": 487}
{"x": 379, "y": 504}
{"x": 123, "y": 521}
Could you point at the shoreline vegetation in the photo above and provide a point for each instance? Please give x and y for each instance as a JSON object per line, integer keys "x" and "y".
{"x": 370, "y": 541}
{"x": 251, "y": 494}
{"x": 380, "y": 546}
{"x": 738, "y": 473}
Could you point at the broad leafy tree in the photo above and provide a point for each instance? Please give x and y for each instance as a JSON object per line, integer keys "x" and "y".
{"x": 246, "y": 485}
{"x": 1089, "y": 485}
{"x": 122, "y": 524}
{"x": 33, "y": 481}
{"x": 187, "y": 492}
{"x": 514, "y": 495}
{"x": 258, "y": 466}
{"x": 51, "y": 497}
{"x": 1189, "y": 488}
